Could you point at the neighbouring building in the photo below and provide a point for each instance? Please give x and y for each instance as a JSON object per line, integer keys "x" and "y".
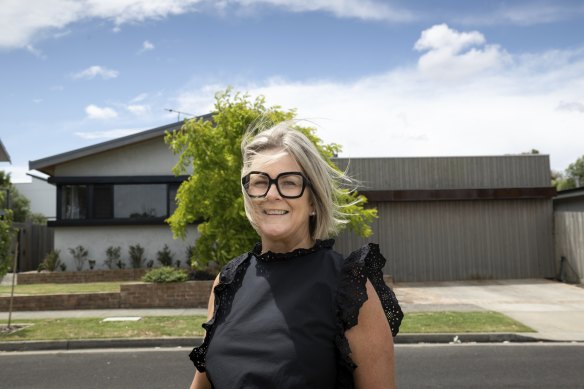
{"x": 440, "y": 218}
{"x": 116, "y": 193}
{"x": 459, "y": 218}
{"x": 41, "y": 194}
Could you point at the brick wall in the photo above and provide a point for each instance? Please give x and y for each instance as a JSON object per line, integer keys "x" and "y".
{"x": 79, "y": 277}
{"x": 59, "y": 302}
{"x": 192, "y": 294}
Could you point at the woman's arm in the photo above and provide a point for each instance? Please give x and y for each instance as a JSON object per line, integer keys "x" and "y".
{"x": 200, "y": 381}
{"x": 372, "y": 346}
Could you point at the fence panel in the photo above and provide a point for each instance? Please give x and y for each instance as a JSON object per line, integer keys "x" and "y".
{"x": 35, "y": 241}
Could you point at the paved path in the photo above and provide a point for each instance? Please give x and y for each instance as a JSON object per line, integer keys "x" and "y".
{"x": 555, "y": 310}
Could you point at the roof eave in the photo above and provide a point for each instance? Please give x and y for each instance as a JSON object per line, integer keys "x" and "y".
{"x": 47, "y": 165}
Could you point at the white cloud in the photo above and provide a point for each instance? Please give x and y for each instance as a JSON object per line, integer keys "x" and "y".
{"x": 139, "y": 98}
{"x": 95, "y": 112}
{"x": 445, "y": 57}
{"x": 539, "y": 12}
{"x": 36, "y": 52}
{"x": 526, "y": 102}
{"x": 137, "y": 109}
{"x": 146, "y": 45}
{"x": 25, "y": 21}
{"x": 574, "y": 106}
{"x": 94, "y": 71}
{"x": 360, "y": 9}
{"x": 105, "y": 135}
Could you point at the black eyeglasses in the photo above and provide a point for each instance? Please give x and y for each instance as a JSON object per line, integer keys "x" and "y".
{"x": 290, "y": 185}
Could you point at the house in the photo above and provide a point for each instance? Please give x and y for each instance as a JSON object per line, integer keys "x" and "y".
{"x": 459, "y": 218}
{"x": 4, "y": 156}
{"x": 116, "y": 193}
{"x": 440, "y": 218}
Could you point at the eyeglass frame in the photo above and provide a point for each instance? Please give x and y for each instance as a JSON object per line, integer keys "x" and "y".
{"x": 246, "y": 179}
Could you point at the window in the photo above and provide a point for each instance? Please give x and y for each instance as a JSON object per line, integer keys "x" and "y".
{"x": 74, "y": 202}
{"x": 139, "y": 201}
{"x": 105, "y": 203}
{"x": 172, "y": 192}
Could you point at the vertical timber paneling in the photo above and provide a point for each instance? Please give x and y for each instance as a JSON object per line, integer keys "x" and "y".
{"x": 569, "y": 243}
{"x": 463, "y": 240}
{"x": 35, "y": 242}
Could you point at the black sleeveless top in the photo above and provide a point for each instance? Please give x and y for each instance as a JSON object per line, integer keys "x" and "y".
{"x": 280, "y": 319}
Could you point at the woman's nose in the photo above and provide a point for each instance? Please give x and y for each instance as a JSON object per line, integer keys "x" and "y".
{"x": 273, "y": 192}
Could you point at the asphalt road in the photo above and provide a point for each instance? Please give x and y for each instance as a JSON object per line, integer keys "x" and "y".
{"x": 418, "y": 366}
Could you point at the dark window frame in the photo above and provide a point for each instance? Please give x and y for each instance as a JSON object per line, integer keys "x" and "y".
{"x": 91, "y": 182}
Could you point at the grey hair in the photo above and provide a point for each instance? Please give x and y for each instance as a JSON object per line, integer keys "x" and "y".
{"x": 325, "y": 181}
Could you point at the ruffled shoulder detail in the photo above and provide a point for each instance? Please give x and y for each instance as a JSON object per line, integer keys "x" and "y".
{"x": 362, "y": 265}
{"x": 229, "y": 281}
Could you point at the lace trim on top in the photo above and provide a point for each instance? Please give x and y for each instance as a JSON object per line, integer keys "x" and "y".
{"x": 365, "y": 263}
{"x": 270, "y": 256}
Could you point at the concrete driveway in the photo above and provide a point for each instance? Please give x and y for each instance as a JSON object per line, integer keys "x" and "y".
{"x": 555, "y": 310}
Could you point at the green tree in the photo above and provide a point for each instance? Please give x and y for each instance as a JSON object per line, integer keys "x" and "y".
{"x": 212, "y": 193}
{"x": 7, "y": 234}
{"x": 572, "y": 177}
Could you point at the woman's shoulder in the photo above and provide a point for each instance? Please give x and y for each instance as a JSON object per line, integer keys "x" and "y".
{"x": 362, "y": 265}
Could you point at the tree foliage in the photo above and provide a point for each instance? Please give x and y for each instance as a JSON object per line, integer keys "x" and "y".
{"x": 572, "y": 177}
{"x": 210, "y": 151}
{"x": 7, "y": 235}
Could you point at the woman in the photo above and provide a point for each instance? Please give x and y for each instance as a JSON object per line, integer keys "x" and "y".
{"x": 293, "y": 313}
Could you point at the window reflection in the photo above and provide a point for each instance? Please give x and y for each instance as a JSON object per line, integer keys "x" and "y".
{"x": 74, "y": 202}
{"x": 139, "y": 201}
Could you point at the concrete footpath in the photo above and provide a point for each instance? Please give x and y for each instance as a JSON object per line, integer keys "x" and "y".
{"x": 555, "y": 311}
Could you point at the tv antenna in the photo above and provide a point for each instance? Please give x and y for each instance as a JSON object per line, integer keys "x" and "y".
{"x": 179, "y": 113}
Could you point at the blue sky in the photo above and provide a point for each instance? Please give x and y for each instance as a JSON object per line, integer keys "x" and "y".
{"x": 381, "y": 78}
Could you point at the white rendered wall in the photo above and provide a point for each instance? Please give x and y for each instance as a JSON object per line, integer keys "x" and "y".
{"x": 97, "y": 239}
{"x": 148, "y": 158}
{"x": 42, "y": 196}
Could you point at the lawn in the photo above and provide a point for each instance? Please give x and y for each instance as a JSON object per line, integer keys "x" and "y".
{"x": 96, "y": 328}
{"x": 41, "y": 289}
{"x": 189, "y": 326}
{"x": 449, "y": 322}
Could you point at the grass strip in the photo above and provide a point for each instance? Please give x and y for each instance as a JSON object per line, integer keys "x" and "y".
{"x": 43, "y": 289}
{"x": 96, "y": 328}
{"x": 189, "y": 326}
{"x": 450, "y": 322}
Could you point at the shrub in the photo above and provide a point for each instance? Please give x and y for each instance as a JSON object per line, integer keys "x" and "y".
{"x": 165, "y": 256}
{"x": 113, "y": 256}
{"x": 137, "y": 256}
{"x": 7, "y": 234}
{"x": 51, "y": 262}
{"x": 165, "y": 274}
{"x": 80, "y": 254}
